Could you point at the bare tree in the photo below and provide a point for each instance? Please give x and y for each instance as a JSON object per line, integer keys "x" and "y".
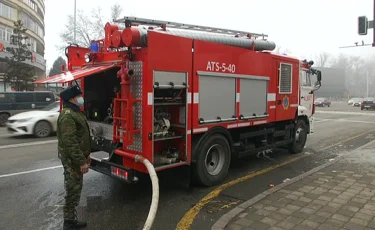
{"x": 355, "y": 72}
{"x": 88, "y": 28}
{"x": 116, "y": 11}
{"x": 323, "y": 60}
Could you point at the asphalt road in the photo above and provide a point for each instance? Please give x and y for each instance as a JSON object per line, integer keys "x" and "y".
{"x": 33, "y": 200}
{"x": 8, "y": 139}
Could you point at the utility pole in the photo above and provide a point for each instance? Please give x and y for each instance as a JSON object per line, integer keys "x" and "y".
{"x": 373, "y": 31}
{"x": 75, "y": 20}
{"x": 367, "y": 83}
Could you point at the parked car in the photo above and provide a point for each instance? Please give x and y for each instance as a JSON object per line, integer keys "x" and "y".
{"x": 355, "y": 99}
{"x": 322, "y": 102}
{"x": 356, "y": 102}
{"x": 12, "y": 103}
{"x": 368, "y": 103}
{"x": 40, "y": 123}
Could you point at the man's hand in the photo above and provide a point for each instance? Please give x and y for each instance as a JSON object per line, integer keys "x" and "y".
{"x": 84, "y": 168}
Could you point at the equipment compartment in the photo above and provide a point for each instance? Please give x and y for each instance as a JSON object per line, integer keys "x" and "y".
{"x": 169, "y": 130}
{"x": 215, "y": 88}
{"x": 253, "y": 97}
{"x": 100, "y": 90}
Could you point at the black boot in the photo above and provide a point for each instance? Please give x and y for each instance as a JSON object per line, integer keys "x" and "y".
{"x": 78, "y": 224}
{"x": 69, "y": 225}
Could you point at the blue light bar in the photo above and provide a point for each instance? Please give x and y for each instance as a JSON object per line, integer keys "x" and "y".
{"x": 94, "y": 47}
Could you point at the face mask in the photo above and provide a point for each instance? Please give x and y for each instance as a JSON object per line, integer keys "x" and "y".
{"x": 80, "y": 101}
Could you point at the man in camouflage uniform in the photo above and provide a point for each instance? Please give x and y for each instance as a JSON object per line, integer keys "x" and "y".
{"x": 74, "y": 149}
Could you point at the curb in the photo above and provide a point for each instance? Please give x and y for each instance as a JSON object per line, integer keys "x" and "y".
{"x": 226, "y": 218}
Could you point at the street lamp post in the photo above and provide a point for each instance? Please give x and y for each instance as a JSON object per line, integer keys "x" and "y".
{"x": 75, "y": 19}
{"x": 367, "y": 83}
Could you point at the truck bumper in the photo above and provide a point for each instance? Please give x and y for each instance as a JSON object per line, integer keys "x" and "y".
{"x": 114, "y": 170}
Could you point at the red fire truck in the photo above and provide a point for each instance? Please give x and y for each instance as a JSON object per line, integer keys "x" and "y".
{"x": 188, "y": 96}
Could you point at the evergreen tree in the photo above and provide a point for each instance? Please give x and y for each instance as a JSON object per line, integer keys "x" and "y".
{"x": 19, "y": 73}
{"x": 56, "y": 67}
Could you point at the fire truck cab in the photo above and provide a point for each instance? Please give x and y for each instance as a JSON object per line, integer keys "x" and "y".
{"x": 181, "y": 98}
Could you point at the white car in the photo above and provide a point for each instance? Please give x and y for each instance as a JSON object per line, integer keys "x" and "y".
{"x": 40, "y": 123}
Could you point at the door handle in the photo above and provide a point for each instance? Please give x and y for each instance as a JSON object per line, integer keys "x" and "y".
{"x": 279, "y": 102}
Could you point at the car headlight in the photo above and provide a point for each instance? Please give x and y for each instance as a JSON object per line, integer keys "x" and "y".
{"x": 24, "y": 120}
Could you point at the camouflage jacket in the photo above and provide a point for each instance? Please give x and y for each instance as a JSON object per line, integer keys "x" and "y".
{"x": 73, "y": 135}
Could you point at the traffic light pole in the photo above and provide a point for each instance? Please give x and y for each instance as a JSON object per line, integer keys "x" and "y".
{"x": 364, "y": 25}
{"x": 373, "y": 30}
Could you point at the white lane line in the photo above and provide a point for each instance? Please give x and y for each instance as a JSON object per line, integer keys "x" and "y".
{"x": 346, "y": 113}
{"x": 28, "y": 144}
{"x": 346, "y": 120}
{"x": 31, "y": 171}
{"x": 323, "y": 120}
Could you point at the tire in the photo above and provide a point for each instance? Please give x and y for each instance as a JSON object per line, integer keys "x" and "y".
{"x": 3, "y": 119}
{"x": 42, "y": 129}
{"x": 300, "y": 138}
{"x": 214, "y": 149}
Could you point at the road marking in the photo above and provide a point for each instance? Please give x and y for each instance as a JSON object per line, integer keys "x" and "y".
{"x": 346, "y": 120}
{"x": 31, "y": 171}
{"x": 188, "y": 218}
{"x": 318, "y": 121}
{"x": 349, "y": 139}
{"x": 28, "y": 144}
{"x": 346, "y": 113}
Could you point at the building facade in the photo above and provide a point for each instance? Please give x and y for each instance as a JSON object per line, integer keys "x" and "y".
{"x": 31, "y": 13}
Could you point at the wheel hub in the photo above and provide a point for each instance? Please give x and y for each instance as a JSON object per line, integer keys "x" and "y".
{"x": 42, "y": 129}
{"x": 214, "y": 160}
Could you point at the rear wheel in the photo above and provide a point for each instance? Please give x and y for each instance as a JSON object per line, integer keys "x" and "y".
{"x": 42, "y": 129}
{"x": 213, "y": 160}
{"x": 300, "y": 138}
{"x": 3, "y": 119}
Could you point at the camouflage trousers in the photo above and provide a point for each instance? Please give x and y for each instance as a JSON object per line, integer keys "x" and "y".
{"x": 73, "y": 180}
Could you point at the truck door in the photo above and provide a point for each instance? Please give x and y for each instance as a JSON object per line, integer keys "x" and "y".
{"x": 286, "y": 95}
{"x": 306, "y": 87}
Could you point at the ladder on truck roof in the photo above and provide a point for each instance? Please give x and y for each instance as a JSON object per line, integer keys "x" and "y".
{"x": 134, "y": 21}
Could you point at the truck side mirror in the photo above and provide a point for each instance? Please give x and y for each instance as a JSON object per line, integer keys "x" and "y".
{"x": 319, "y": 76}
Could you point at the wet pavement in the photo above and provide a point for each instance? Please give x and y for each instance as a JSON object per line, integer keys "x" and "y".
{"x": 33, "y": 200}
{"x": 339, "y": 195}
{"x": 9, "y": 139}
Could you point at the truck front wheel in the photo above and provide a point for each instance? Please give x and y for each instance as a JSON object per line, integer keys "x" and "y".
{"x": 300, "y": 138}
{"x": 213, "y": 160}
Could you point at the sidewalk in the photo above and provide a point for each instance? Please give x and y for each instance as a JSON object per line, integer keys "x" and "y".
{"x": 337, "y": 195}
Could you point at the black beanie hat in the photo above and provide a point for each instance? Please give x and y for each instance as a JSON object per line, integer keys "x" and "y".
{"x": 70, "y": 92}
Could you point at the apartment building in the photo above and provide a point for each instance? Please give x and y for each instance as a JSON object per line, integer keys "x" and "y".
{"x": 31, "y": 13}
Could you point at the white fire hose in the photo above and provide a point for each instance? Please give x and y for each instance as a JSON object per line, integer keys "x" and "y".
{"x": 155, "y": 191}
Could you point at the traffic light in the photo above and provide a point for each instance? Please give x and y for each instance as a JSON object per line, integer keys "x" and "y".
{"x": 362, "y": 25}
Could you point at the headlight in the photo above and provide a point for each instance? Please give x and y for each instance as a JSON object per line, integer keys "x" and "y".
{"x": 87, "y": 57}
{"x": 24, "y": 120}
